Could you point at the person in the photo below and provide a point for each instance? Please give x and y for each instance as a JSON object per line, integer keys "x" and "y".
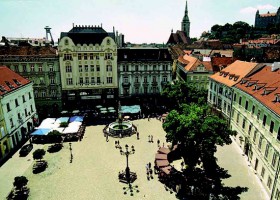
{"x": 152, "y": 138}
{"x": 149, "y": 138}
{"x": 150, "y": 165}
{"x": 158, "y": 141}
{"x": 137, "y": 133}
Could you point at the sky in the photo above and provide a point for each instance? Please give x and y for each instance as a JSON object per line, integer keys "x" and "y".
{"x": 141, "y": 21}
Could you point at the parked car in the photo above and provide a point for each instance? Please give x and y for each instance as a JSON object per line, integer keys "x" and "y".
{"x": 24, "y": 151}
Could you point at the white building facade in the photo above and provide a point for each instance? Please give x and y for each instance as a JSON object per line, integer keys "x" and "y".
{"x": 18, "y": 105}
{"x": 88, "y": 65}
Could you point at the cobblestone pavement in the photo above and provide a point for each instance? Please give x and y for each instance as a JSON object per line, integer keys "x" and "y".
{"x": 93, "y": 172}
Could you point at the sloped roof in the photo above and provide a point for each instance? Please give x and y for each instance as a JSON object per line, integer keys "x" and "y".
{"x": 27, "y": 51}
{"x": 191, "y": 63}
{"x": 144, "y": 55}
{"x": 9, "y": 80}
{"x": 225, "y": 53}
{"x": 270, "y": 80}
{"x": 178, "y": 37}
{"x": 222, "y": 61}
{"x": 233, "y": 73}
{"x": 86, "y": 35}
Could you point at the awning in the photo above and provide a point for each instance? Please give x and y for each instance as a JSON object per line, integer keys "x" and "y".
{"x": 62, "y": 119}
{"x": 98, "y": 106}
{"x": 76, "y": 119}
{"x": 41, "y": 131}
{"x": 162, "y": 163}
{"x": 75, "y": 111}
{"x": 164, "y": 150}
{"x": 160, "y": 156}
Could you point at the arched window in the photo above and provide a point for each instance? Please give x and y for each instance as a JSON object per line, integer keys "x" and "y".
{"x": 66, "y": 42}
{"x": 108, "y": 41}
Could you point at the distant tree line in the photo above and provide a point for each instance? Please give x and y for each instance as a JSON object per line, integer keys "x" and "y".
{"x": 232, "y": 33}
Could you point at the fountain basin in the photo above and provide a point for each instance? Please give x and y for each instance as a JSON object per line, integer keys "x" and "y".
{"x": 123, "y": 128}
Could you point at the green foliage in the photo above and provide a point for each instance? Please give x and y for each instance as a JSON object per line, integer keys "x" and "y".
{"x": 38, "y": 154}
{"x": 197, "y": 131}
{"x": 181, "y": 92}
{"x": 64, "y": 124}
{"x": 55, "y": 133}
{"x": 20, "y": 182}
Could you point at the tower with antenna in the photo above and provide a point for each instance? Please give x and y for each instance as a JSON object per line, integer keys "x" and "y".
{"x": 48, "y": 32}
{"x": 186, "y": 22}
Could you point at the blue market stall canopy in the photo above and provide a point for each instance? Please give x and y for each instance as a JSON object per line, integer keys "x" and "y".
{"x": 130, "y": 109}
{"x": 76, "y": 119}
{"x": 41, "y": 131}
{"x": 62, "y": 119}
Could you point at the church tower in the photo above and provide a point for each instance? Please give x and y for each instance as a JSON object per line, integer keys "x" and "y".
{"x": 186, "y": 22}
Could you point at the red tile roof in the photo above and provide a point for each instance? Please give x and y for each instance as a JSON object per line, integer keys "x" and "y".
{"x": 27, "y": 51}
{"x": 222, "y": 61}
{"x": 268, "y": 84}
{"x": 233, "y": 73}
{"x": 191, "y": 63}
{"x": 9, "y": 80}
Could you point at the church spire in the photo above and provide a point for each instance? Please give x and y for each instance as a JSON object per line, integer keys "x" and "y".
{"x": 186, "y": 22}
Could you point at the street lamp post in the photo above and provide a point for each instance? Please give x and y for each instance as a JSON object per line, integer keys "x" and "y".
{"x": 127, "y": 153}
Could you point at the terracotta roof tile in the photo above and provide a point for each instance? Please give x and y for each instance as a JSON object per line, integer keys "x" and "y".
{"x": 222, "y": 61}
{"x": 264, "y": 86}
{"x": 239, "y": 69}
{"x": 9, "y": 80}
{"x": 27, "y": 51}
{"x": 208, "y": 65}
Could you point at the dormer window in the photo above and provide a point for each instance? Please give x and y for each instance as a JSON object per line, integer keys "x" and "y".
{"x": 2, "y": 89}
{"x": 231, "y": 76}
{"x": 277, "y": 97}
{"x": 9, "y": 85}
{"x": 236, "y": 78}
{"x": 268, "y": 90}
{"x": 221, "y": 73}
{"x": 17, "y": 82}
{"x": 225, "y": 74}
{"x": 244, "y": 80}
{"x": 66, "y": 42}
{"x": 259, "y": 86}
{"x": 250, "y": 83}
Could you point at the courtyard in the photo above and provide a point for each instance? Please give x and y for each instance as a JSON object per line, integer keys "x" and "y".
{"x": 92, "y": 170}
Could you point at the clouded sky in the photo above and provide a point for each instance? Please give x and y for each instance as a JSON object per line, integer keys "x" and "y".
{"x": 139, "y": 20}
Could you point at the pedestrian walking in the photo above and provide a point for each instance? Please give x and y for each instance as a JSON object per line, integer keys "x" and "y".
{"x": 150, "y": 165}
{"x": 149, "y": 138}
{"x": 158, "y": 142}
{"x": 137, "y": 133}
{"x": 152, "y": 138}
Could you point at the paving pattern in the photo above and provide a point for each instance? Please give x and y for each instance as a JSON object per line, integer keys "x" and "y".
{"x": 93, "y": 172}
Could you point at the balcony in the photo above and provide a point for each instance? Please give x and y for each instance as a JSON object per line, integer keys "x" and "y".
{"x": 125, "y": 84}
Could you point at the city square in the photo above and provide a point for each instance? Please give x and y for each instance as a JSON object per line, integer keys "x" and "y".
{"x": 93, "y": 171}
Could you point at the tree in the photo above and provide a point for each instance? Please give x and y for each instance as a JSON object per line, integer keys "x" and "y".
{"x": 20, "y": 182}
{"x": 38, "y": 154}
{"x": 197, "y": 132}
{"x": 181, "y": 92}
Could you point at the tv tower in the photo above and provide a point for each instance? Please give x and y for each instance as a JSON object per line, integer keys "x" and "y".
{"x": 48, "y": 31}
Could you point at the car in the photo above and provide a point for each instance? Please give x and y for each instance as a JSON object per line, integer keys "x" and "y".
{"x": 24, "y": 151}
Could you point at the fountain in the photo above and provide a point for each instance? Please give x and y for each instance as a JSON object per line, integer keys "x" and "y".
{"x": 120, "y": 127}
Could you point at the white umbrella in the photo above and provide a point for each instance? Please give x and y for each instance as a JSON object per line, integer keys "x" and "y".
{"x": 98, "y": 106}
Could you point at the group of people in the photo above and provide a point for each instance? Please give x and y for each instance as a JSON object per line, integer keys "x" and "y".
{"x": 149, "y": 171}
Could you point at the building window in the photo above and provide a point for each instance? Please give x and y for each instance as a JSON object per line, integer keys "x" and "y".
{"x": 271, "y": 126}
{"x": 108, "y": 56}
{"x": 11, "y": 122}
{"x": 87, "y": 80}
{"x": 125, "y": 68}
{"x": 32, "y": 69}
{"x": 8, "y": 107}
{"x": 97, "y": 68}
{"x": 125, "y": 79}
{"x": 52, "y": 80}
{"x": 137, "y": 90}
{"x": 246, "y": 105}
{"x": 31, "y": 108}
{"x": 109, "y": 68}
{"x": 266, "y": 150}
{"x": 109, "y": 80}
{"x": 262, "y": 172}
{"x": 23, "y": 98}
{"x": 260, "y": 143}
{"x": 80, "y": 68}
{"x": 68, "y": 67}
{"x": 66, "y": 42}
{"x": 16, "y": 102}
{"x": 53, "y": 93}
{"x": 237, "y": 118}
{"x": 234, "y": 97}
{"x": 79, "y": 56}
{"x": 145, "y": 67}
{"x": 86, "y": 68}
{"x": 81, "y": 80}
{"x": 85, "y": 56}
{"x": 91, "y": 56}
{"x": 24, "y": 68}
{"x": 154, "y": 79}
{"x": 51, "y": 68}
{"x": 145, "y": 90}
{"x": 98, "y": 80}
{"x": 253, "y": 109}
{"x": 136, "y": 79}
{"x": 25, "y": 111}
{"x": 92, "y": 80}
{"x": 249, "y": 129}
{"x": 16, "y": 68}
{"x": 92, "y": 68}
{"x": 240, "y": 100}
{"x": 269, "y": 181}
{"x": 244, "y": 123}
{"x": 43, "y": 93}
{"x": 145, "y": 79}
{"x": 154, "y": 67}
{"x": 69, "y": 81}
{"x": 40, "y": 68}
{"x": 29, "y": 94}
{"x": 136, "y": 68}
{"x": 255, "y": 136}
{"x": 258, "y": 115}
{"x": 164, "y": 78}
{"x": 67, "y": 56}
{"x": 274, "y": 158}
{"x": 277, "y": 195}
{"x": 264, "y": 120}
{"x": 97, "y": 57}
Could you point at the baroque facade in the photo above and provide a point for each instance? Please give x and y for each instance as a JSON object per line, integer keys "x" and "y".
{"x": 143, "y": 71}
{"x": 18, "y": 108}
{"x": 88, "y": 65}
{"x": 40, "y": 65}
{"x": 256, "y": 118}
